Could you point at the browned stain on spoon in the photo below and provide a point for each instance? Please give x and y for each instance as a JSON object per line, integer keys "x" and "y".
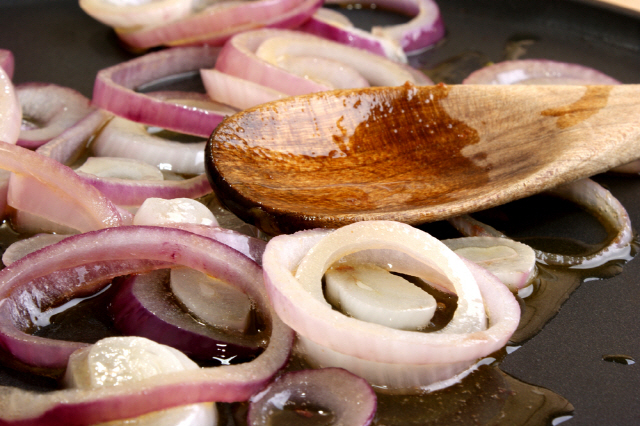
{"x": 389, "y": 150}
{"x": 594, "y": 99}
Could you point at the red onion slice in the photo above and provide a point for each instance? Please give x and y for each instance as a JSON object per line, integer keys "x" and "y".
{"x": 128, "y": 139}
{"x": 333, "y": 395}
{"x": 114, "y": 90}
{"x": 592, "y": 197}
{"x": 142, "y": 308}
{"x": 236, "y": 91}
{"x": 538, "y": 71}
{"x": 10, "y": 111}
{"x": 7, "y": 62}
{"x": 49, "y": 110}
{"x": 216, "y": 23}
{"x": 332, "y": 25}
{"x": 161, "y": 245}
{"x": 128, "y": 14}
{"x": 423, "y": 31}
{"x": 128, "y": 193}
{"x": 307, "y": 312}
{"x": 71, "y": 144}
{"x": 47, "y": 188}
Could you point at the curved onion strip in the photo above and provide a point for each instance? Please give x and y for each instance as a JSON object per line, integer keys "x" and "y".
{"x": 424, "y": 29}
{"x": 138, "y": 13}
{"x": 215, "y": 24}
{"x": 593, "y": 198}
{"x": 53, "y": 109}
{"x": 43, "y": 186}
{"x": 132, "y": 193}
{"x": 332, "y": 25}
{"x": 348, "y": 398}
{"x": 503, "y": 315}
{"x": 537, "y": 71}
{"x": 315, "y": 319}
{"x": 225, "y": 384}
{"x": 7, "y": 62}
{"x": 114, "y": 90}
{"x": 236, "y": 91}
{"x": 128, "y": 139}
{"x": 253, "y": 56}
{"x": 72, "y": 143}
{"x": 141, "y": 308}
{"x": 10, "y": 111}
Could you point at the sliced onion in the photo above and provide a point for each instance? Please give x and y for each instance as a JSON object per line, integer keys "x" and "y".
{"x": 21, "y": 248}
{"x": 211, "y": 300}
{"x": 114, "y": 90}
{"x": 134, "y": 13}
{"x": 236, "y": 91}
{"x": 131, "y": 194}
{"x": 332, "y": 25}
{"x": 512, "y": 262}
{"x": 128, "y": 139}
{"x": 10, "y": 111}
{"x": 115, "y": 361}
{"x": 48, "y": 110}
{"x": 43, "y": 186}
{"x": 538, "y": 71}
{"x": 158, "y": 246}
{"x": 5, "y": 175}
{"x": 7, "y": 62}
{"x": 592, "y": 197}
{"x": 123, "y": 168}
{"x": 70, "y": 145}
{"x": 158, "y": 212}
{"x": 332, "y": 395}
{"x": 142, "y": 308}
{"x": 215, "y": 24}
{"x": 423, "y": 31}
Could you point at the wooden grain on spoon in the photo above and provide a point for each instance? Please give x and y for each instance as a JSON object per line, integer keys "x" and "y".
{"x": 415, "y": 154}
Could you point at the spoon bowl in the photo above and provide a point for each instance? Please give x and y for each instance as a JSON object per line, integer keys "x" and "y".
{"x": 415, "y": 154}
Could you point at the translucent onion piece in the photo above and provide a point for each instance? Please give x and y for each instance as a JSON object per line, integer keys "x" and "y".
{"x": 71, "y": 144}
{"x": 512, "y": 262}
{"x": 10, "y": 111}
{"x": 7, "y": 62}
{"x": 43, "y": 186}
{"x": 538, "y": 71}
{"x": 592, "y": 197}
{"x": 370, "y": 293}
{"x": 215, "y": 24}
{"x": 143, "y": 307}
{"x": 123, "y": 168}
{"x": 128, "y": 139}
{"x": 332, "y": 25}
{"x": 161, "y": 245}
{"x": 21, "y": 248}
{"x": 332, "y": 394}
{"x": 211, "y": 300}
{"x": 302, "y": 305}
{"x": 503, "y": 315}
{"x": 114, "y": 90}
{"x": 421, "y": 32}
{"x": 116, "y": 361}
{"x": 158, "y": 211}
{"x": 235, "y": 91}
{"x": 49, "y": 110}
{"x": 134, "y": 13}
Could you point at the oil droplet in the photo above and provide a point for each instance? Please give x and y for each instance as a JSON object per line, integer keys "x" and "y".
{"x": 619, "y": 359}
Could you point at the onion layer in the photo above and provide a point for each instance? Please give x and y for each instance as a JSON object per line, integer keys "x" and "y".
{"x": 332, "y": 394}
{"x": 7, "y": 62}
{"x": 593, "y": 198}
{"x": 159, "y": 246}
{"x": 10, "y": 111}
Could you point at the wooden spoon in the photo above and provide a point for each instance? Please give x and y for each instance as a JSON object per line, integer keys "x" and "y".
{"x": 415, "y": 154}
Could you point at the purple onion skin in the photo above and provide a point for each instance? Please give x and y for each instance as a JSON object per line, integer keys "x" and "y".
{"x": 132, "y": 317}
